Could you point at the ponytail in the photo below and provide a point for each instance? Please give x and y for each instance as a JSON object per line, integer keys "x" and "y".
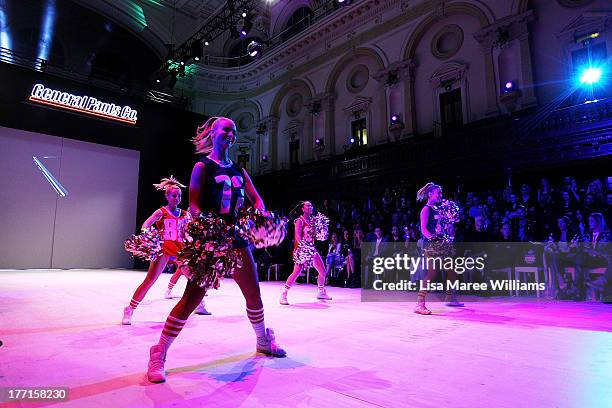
{"x": 423, "y": 193}
{"x": 167, "y": 184}
{"x": 202, "y": 140}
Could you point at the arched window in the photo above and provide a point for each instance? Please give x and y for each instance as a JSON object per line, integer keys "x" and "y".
{"x": 299, "y": 20}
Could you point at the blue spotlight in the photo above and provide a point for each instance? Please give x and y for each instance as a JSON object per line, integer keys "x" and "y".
{"x": 5, "y": 38}
{"x": 46, "y": 35}
{"x": 590, "y": 75}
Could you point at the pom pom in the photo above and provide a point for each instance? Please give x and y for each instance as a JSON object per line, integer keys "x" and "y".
{"x": 262, "y": 228}
{"x": 147, "y": 245}
{"x": 449, "y": 211}
{"x": 304, "y": 253}
{"x": 209, "y": 255}
{"x": 439, "y": 245}
{"x": 320, "y": 224}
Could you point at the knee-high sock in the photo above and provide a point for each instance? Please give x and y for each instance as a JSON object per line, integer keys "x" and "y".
{"x": 256, "y": 317}
{"x": 172, "y": 328}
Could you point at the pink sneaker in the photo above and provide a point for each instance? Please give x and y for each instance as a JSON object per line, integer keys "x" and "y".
{"x": 421, "y": 309}
{"x": 156, "y": 373}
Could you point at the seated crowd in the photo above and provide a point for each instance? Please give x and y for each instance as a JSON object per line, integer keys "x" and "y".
{"x": 568, "y": 218}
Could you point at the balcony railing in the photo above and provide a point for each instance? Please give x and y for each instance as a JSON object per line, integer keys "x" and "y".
{"x": 324, "y": 9}
{"x": 573, "y": 133}
{"x": 102, "y": 79}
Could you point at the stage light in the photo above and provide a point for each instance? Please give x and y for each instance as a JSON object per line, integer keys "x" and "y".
{"x": 319, "y": 141}
{"x": 264, "y": 158}
{"x": 590, "y": 75}
{"x": 196, "y": 50}
{"x": 158, "y": 80}
{"x": 352, "y": 140}
{"x": 246, "y": 27}
{"x": 344, "y": 2}
{"x": 247, "y": 24}
{"x": 395, "y": 119}
{"x": 254, "y": 49}
{"x": 206, "y": 43}
{"x": 46, "y": 34}
{"x": 509, "y": 86}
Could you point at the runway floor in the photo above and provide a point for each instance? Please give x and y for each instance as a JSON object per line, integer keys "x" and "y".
{"x": 62, "y": 329}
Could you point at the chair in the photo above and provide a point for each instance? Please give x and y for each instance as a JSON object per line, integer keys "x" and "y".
{"x": 308, "y": 273}
{"x": 274, "y": 268}
{"x": 530, "y": 263}
{"x": 529, "y": 269}
{"x": 570, "y": 270}
{"x": 597, "y": 271}
{"x": 507, "y": 270}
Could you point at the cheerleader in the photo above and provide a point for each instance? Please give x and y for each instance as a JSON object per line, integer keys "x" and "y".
{"x": 218, "y": 186}
{"x": 431, "y": 227}
{"x": 304, "y": 253}
{"x": 169, "y": 221}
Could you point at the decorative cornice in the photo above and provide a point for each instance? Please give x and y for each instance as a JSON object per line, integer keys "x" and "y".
{"x": 395, "y": 73}
{"x": 269, "y": 120}
{"x": 586, "y": 23}
{"x": 260, "y": 85}
{"x": 449, "y": 72}
{"x": 322, "y": 102}
{"x": 327, "y": 29}
{"x": 360, "y": 104}
{"x": 504, "y": 30}
{"x": 293, "y": 129}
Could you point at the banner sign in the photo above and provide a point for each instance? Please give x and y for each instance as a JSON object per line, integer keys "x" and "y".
{"x": 83, "y": 104}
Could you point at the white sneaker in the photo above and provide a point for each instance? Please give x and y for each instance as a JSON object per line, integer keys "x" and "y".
{"x": 269, "y": 347}
{"x": 283, "y": 299}
{"x": 168, "y": 294}
{"x": 155, "y": 372}
{"x": 127, "y": 315}
{"x": 323, "y": 295}
{"x": 201, "y": 310}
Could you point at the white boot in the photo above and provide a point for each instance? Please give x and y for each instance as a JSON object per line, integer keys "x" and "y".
{"x": 127, "y": 315}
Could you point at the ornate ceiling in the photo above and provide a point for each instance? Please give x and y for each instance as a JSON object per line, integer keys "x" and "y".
{"x": 156, "y": 22}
